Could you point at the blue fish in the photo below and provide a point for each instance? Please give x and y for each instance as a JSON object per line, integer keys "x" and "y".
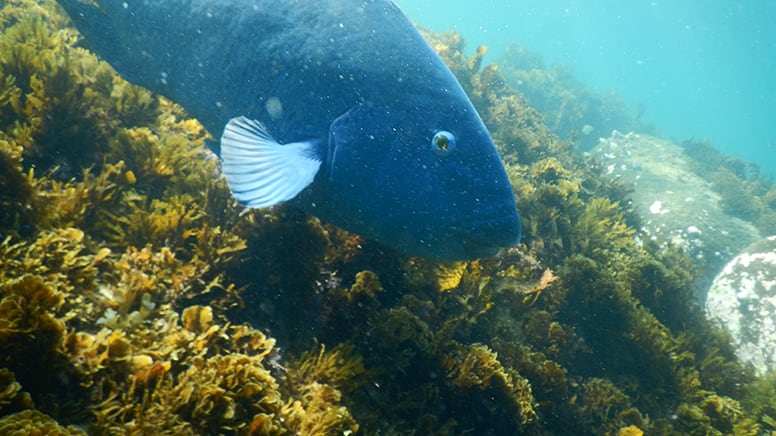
{"x": 338, "y": 107}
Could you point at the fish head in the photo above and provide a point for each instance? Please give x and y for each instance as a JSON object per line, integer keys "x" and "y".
{"x": 426, "y": 181}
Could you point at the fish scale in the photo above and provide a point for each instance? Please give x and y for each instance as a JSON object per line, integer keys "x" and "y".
{"x": 338, "y": 107}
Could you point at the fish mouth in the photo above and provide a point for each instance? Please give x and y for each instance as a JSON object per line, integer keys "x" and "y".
{"x": 486, "y": 235}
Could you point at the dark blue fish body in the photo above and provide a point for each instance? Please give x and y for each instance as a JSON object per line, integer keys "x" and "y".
{"x": 378, "y": 136}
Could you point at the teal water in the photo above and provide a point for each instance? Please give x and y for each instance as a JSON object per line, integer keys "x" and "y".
{"x": 701, "y": 70}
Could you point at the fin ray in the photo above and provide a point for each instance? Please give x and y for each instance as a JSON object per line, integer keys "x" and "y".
{"x": 260, "y": 171}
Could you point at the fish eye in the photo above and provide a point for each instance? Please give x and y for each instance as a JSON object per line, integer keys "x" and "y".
{"x": 443, "y": 143}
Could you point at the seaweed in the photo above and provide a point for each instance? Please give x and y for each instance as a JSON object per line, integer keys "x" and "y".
{"x": 138, "y": 297}
{"x": 43, "y": 72}
{"x": 12, "y": 398}
{"x": 32, "y": 340}
{"x": 476, "y": 366}
{"x": 601, "y": 233}
{"x": 735, "y": 199}
{"x": 568, "y": 107}
{"x": 320, "y": 379}
{"x": 33, "y": 422}
{"x": 16, "y": 193}
{"x": 743, "y": 191}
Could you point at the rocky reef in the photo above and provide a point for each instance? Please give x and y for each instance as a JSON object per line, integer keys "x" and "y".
{"x": 137, "y": 297}
{"x": 744, "y": 192}
{"x": 742, "y": 299}
{"x": 569, "y": 108}
{"x": 677, "y": 205}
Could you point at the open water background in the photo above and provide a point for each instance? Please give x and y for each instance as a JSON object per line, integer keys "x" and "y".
{"x": 699, "y": 69}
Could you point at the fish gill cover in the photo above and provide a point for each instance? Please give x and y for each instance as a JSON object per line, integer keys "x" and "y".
{"x": 136, "y": 297}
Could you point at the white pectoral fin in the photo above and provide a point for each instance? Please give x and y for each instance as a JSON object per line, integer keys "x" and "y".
{"x": 260, "y": 171}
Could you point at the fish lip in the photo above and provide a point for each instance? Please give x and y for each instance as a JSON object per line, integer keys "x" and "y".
{"x": 486, "y": 234}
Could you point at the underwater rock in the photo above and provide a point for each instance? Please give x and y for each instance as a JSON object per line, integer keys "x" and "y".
{"x": 677, "y": 206}
{"x": 742, "y": 300}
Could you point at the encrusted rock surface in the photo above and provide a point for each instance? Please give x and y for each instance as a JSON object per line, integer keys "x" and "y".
{"x": 742, "y": 299}
{"x": 676, "y": 205}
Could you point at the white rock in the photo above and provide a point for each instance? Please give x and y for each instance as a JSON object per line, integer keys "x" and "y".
{"x": 742, "y": 299}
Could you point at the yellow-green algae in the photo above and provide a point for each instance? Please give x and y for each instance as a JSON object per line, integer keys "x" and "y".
{"x": 568, "y": 107}
{"x": 135, "y": 298}
{"x": 744, "y": 192}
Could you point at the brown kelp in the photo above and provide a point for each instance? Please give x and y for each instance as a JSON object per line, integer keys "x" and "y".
{"x": 744, "y": 192}
{"x": 569, "y": 108}
{"x": 135, "y": 296}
